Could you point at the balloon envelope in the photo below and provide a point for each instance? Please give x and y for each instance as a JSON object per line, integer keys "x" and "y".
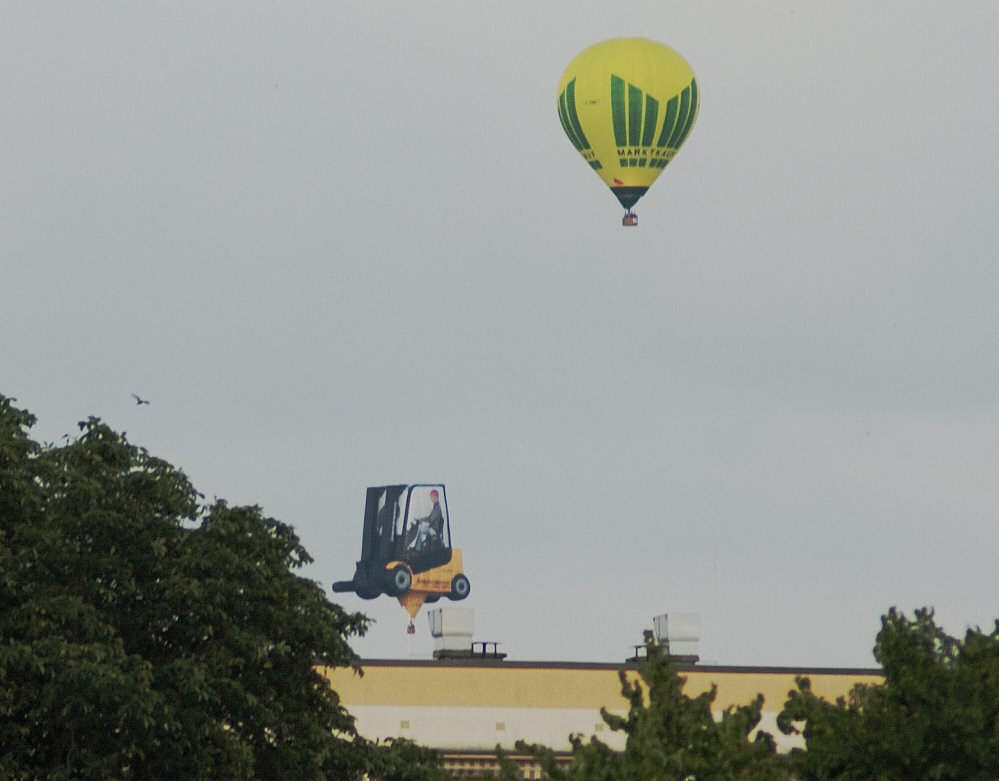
{"x": 627, "y": 105}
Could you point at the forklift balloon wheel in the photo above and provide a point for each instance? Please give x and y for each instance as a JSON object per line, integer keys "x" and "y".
{"x": 400, "y": 580}
{"x": 459, "y": 588}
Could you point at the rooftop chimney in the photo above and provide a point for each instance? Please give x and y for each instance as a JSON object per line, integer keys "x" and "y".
{"x": 678, "y": 634}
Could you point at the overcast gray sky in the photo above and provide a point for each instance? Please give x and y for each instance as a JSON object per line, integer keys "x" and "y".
{"x": 339, "y": 245}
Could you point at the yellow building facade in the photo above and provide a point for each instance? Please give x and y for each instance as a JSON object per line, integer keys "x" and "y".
{"x": 467, "y": 707}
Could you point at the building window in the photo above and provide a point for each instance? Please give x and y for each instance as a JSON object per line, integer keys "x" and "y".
{"x": 500, "y": 725}
{"x": 404, "y": 724}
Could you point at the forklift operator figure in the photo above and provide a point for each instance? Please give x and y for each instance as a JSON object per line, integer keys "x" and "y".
{"x": 430, "y": 526}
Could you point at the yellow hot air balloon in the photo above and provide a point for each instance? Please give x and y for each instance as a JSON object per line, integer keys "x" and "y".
{"x": 627, "y": 105}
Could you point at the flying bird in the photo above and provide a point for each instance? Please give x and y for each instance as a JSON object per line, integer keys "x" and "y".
{"x": 138, "y": 400}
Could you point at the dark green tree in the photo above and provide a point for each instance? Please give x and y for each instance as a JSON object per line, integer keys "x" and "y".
{"x": 670, "y": 736}
{"x": 145, "y": 634}
{"x": 935, "y": 716}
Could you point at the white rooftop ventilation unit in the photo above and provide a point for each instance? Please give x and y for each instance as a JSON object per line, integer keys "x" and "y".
{"x": 678, "y": 633}
{"x": 452, "y": 628}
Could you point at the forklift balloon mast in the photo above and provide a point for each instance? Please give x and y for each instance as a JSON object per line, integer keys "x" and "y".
{"x": 406, "y": 548}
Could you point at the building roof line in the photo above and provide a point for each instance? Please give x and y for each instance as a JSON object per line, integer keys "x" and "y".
{"x": 552, "y": 665}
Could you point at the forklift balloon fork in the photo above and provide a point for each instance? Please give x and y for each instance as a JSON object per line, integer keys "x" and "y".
{"x": 406, "y": 549}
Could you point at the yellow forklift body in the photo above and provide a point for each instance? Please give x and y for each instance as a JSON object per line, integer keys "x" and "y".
{"x": 436, "y": 580}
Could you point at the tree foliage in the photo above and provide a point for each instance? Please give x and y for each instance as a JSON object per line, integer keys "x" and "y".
{"x": 146, "y": 634}
{"x": 670, "y": 736}
{"x": 935, "y": 716}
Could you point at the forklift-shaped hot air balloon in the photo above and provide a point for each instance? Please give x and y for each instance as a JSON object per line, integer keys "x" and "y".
{"x": 406, "y": 549}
